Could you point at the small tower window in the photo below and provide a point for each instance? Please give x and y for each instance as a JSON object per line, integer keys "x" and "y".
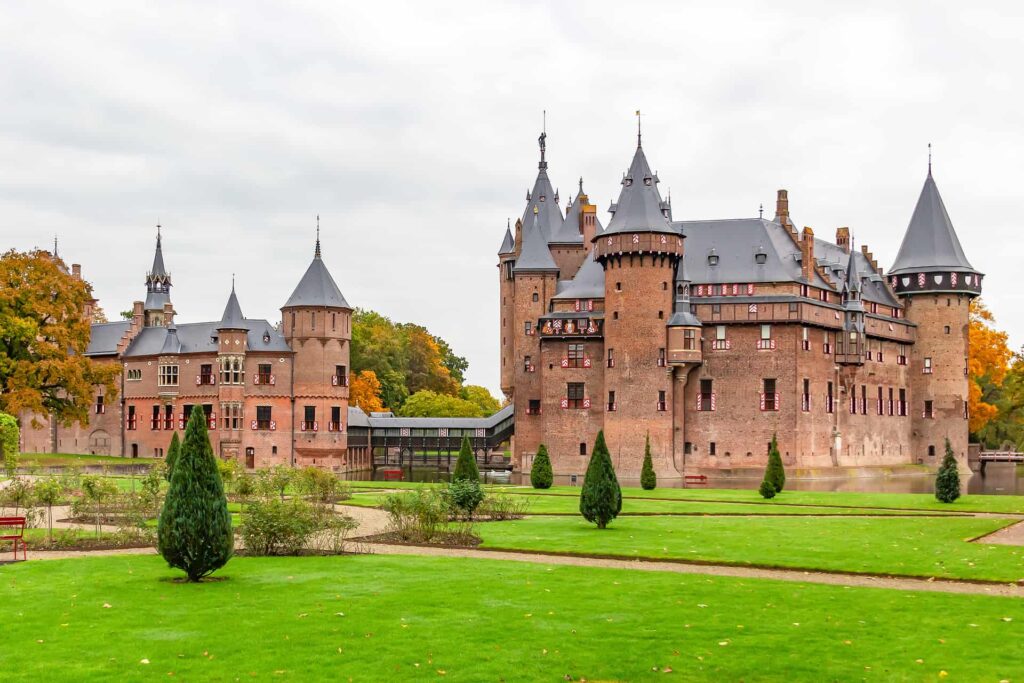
{"x": 536, "y": 297}
{"x": 618, "y": 286}
{"x": 312, "y": 320}
{"x": 661, "y": 315}
{"x": 583, "y": 448}
{"x": 947, "y": 329}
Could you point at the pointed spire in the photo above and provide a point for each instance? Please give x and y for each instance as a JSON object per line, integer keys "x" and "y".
{"x": 851, "y": 286}
{"x": 543, "y": 196}
{"x": 640, "y": 207}
{"x": 55, "y": 247}
{"x": 930, "y": 243}
{"x": 929, "y": 158}
{"x": 535, "y": 254}
{"x": 682, "y": 315}
{"x": 508, "y": 244}
{"x": 232, "y": 319}
{"x": 638, "y": 138}
{"x": 316, "y": 252}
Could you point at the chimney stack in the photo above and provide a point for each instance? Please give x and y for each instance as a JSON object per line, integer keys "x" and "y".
{"x": 806, "y": 253}
{"x": 76, "y": 270}
{"x": 168, "y": 313}
{"x": 782, "y": 209}
{"x": 843, "y": 239}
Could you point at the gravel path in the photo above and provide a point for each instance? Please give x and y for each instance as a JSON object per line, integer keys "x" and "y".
{"x": 1011, "y": 535}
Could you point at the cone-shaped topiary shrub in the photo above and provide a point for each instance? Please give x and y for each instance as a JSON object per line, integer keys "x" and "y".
{"x": 774, "y": 472}
{"x": 601, "y": 498}
{"x": 172, "y": 455}
{"x": 648, "y": 480}
{"x": 767, "y": 489}
{"x": 947, "y": 481}
{"x": 194, "y": 533}
{"x": 465, "y": 466}
{"x": 541, "y": 476}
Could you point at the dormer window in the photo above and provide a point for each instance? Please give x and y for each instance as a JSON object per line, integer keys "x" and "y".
{"x": 542, "y": 198}
{"x": 266, "y": 337}
{"x": 712, "y": 259}
{"x": 760, "y": 258}
{"x": 648, "y": 182}
{"x": 627, "y": 181}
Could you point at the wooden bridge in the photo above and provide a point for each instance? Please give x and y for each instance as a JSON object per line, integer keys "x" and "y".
{"x": 985, "y": 457}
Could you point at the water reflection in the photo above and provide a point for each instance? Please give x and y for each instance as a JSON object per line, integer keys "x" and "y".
{"x": 999, "y": 478}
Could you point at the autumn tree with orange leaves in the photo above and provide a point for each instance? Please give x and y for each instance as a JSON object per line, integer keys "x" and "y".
{"x": 364, "y": 392}
{"x": 43, "y": 337}
{"x": 987, "y": 366}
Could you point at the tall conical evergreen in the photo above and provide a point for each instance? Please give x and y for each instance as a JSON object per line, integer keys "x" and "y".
{"x": 947, "y": 480}
{"x": 172, "y": 455}
{"x": 601, "y": 498}
{"x": 648, "y": 479}
{"x": 774, "y": 472}
{"x": 465, "y": 466}
{"x": 194, "y": 533}
{"x": 541, "y": 476}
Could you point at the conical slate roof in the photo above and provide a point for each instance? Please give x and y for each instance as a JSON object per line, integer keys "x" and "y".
{"x": 569, "y": 230}
{"x": 171, "y": 344}
{"x": 930, "y": 242}
{"x": 543, "y": 198}
{"x": 158, "y": 259}
{"x": 639, "y": 208}
{"x": 508, "y": 245}
{"x": 852, "y": 281}
{"x": 317, "y": 287}
{"x": 535, "y": 254}
{"x": 232, "y": 318}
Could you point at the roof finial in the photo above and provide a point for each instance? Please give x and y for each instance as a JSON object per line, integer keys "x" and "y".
{"x": 581, "y": 184}
{"x": 54, "y": 246}
{"x": 316, "y": 254}
{"x": 232, "y": 282}
{"x": 158, "y": 232}
{"x": 760, "y": 211}
{"x": 929, "y": 158}
{"x": 638, "y": 128}
{"x": 542, "y": 140}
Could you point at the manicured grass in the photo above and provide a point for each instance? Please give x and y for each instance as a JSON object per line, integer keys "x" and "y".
{"x": 906, "y": 501}
{"x": 381, "y": 618}
{"x": 66, "y": 459}
{"x": 889, "y": 545}
{"x": 570, "y": 505}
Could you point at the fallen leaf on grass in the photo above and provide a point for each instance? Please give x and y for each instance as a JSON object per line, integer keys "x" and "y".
{"x": 143, "y": 661}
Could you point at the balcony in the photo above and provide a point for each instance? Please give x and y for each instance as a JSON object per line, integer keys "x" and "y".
{"x": 263, "y": 425}
{"x": 769, "y": 402}
{"x": 262, "y": 378}
{"x": 339, "y": 380}
{"x": 206, "y": 379}
{"x": 309, "y": 426}
{"x": 765, "y": 344}
{"x": 335, "y": 427}
{"x": 571, "y": 327}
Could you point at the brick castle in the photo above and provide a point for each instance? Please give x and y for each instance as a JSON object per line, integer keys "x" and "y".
{"x": 272, "y": 393}
{"x": 711, "y": 336}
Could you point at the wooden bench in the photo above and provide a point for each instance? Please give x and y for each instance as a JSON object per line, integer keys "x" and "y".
{"x": 13, "y": 529}
{"x": 696, "y": 478}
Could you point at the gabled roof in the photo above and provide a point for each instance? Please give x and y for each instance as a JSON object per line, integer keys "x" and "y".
{"x": 317, "y": 287}
{"x": 640, "y": 205}
{"x": 232, "y": 318}
{"x": 535, "y": 254}
{"x": 202, "y": 338}
{"x": 104, "y": 337}
{"x": 508, "y": 245}
{"x": 833, "y": 258}
{"x": 588, "y": 283}
{"x": 930, "y": 242}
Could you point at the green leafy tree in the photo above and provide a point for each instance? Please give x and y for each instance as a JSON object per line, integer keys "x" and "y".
{"x": 947, "y": 480}
{"x": 194, "y": 533}
{"x": 541, "y": 476}
{"x": 98, "y": 490}
{"x": 10, "y": 439}
{"x": 465, "y": 466}
{"x": 774, "y": 472}
{"x": 427, "y": 403}
{"x": 172, "y": 455}
{"x": 648, "y": 480}
{"x": 276, "y": 480}
{"x": 481, "y": 397}
{"x": 601, "y": 498}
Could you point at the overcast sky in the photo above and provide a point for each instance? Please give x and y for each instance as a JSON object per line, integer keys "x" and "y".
{"x": 411, "y": 129}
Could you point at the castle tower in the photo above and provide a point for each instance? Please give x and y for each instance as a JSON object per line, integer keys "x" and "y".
{"x": 232, "y": 346}
{"x": 317, "y": 324}
{"x": 936, "y": 282}
{"x": 506, "y": 311}
{"x": 158, "y": 307}
{"x": 639, "y": 251}
{"x": 535, "y": 279}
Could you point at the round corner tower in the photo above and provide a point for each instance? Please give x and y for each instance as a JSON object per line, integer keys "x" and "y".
{"x": 936, "y": 283}
{"x": 640, "y": 252}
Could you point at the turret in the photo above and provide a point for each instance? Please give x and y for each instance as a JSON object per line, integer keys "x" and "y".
{"x": 317, "y": 324}
{"x": 936, "y": 282}
{"x": 850, "y": 345}
{"x": 506, "y": 311}
{"x": 640, "y": 251}
{"x": 158, "y": 289}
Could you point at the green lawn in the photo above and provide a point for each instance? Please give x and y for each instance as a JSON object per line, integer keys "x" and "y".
{"x": 907, "y": 501}
{"x": 379, "y": 618}
{"x": 570, "y": 505}
{"x": 65, "y": 459}
{"x": 914, "y": 546}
